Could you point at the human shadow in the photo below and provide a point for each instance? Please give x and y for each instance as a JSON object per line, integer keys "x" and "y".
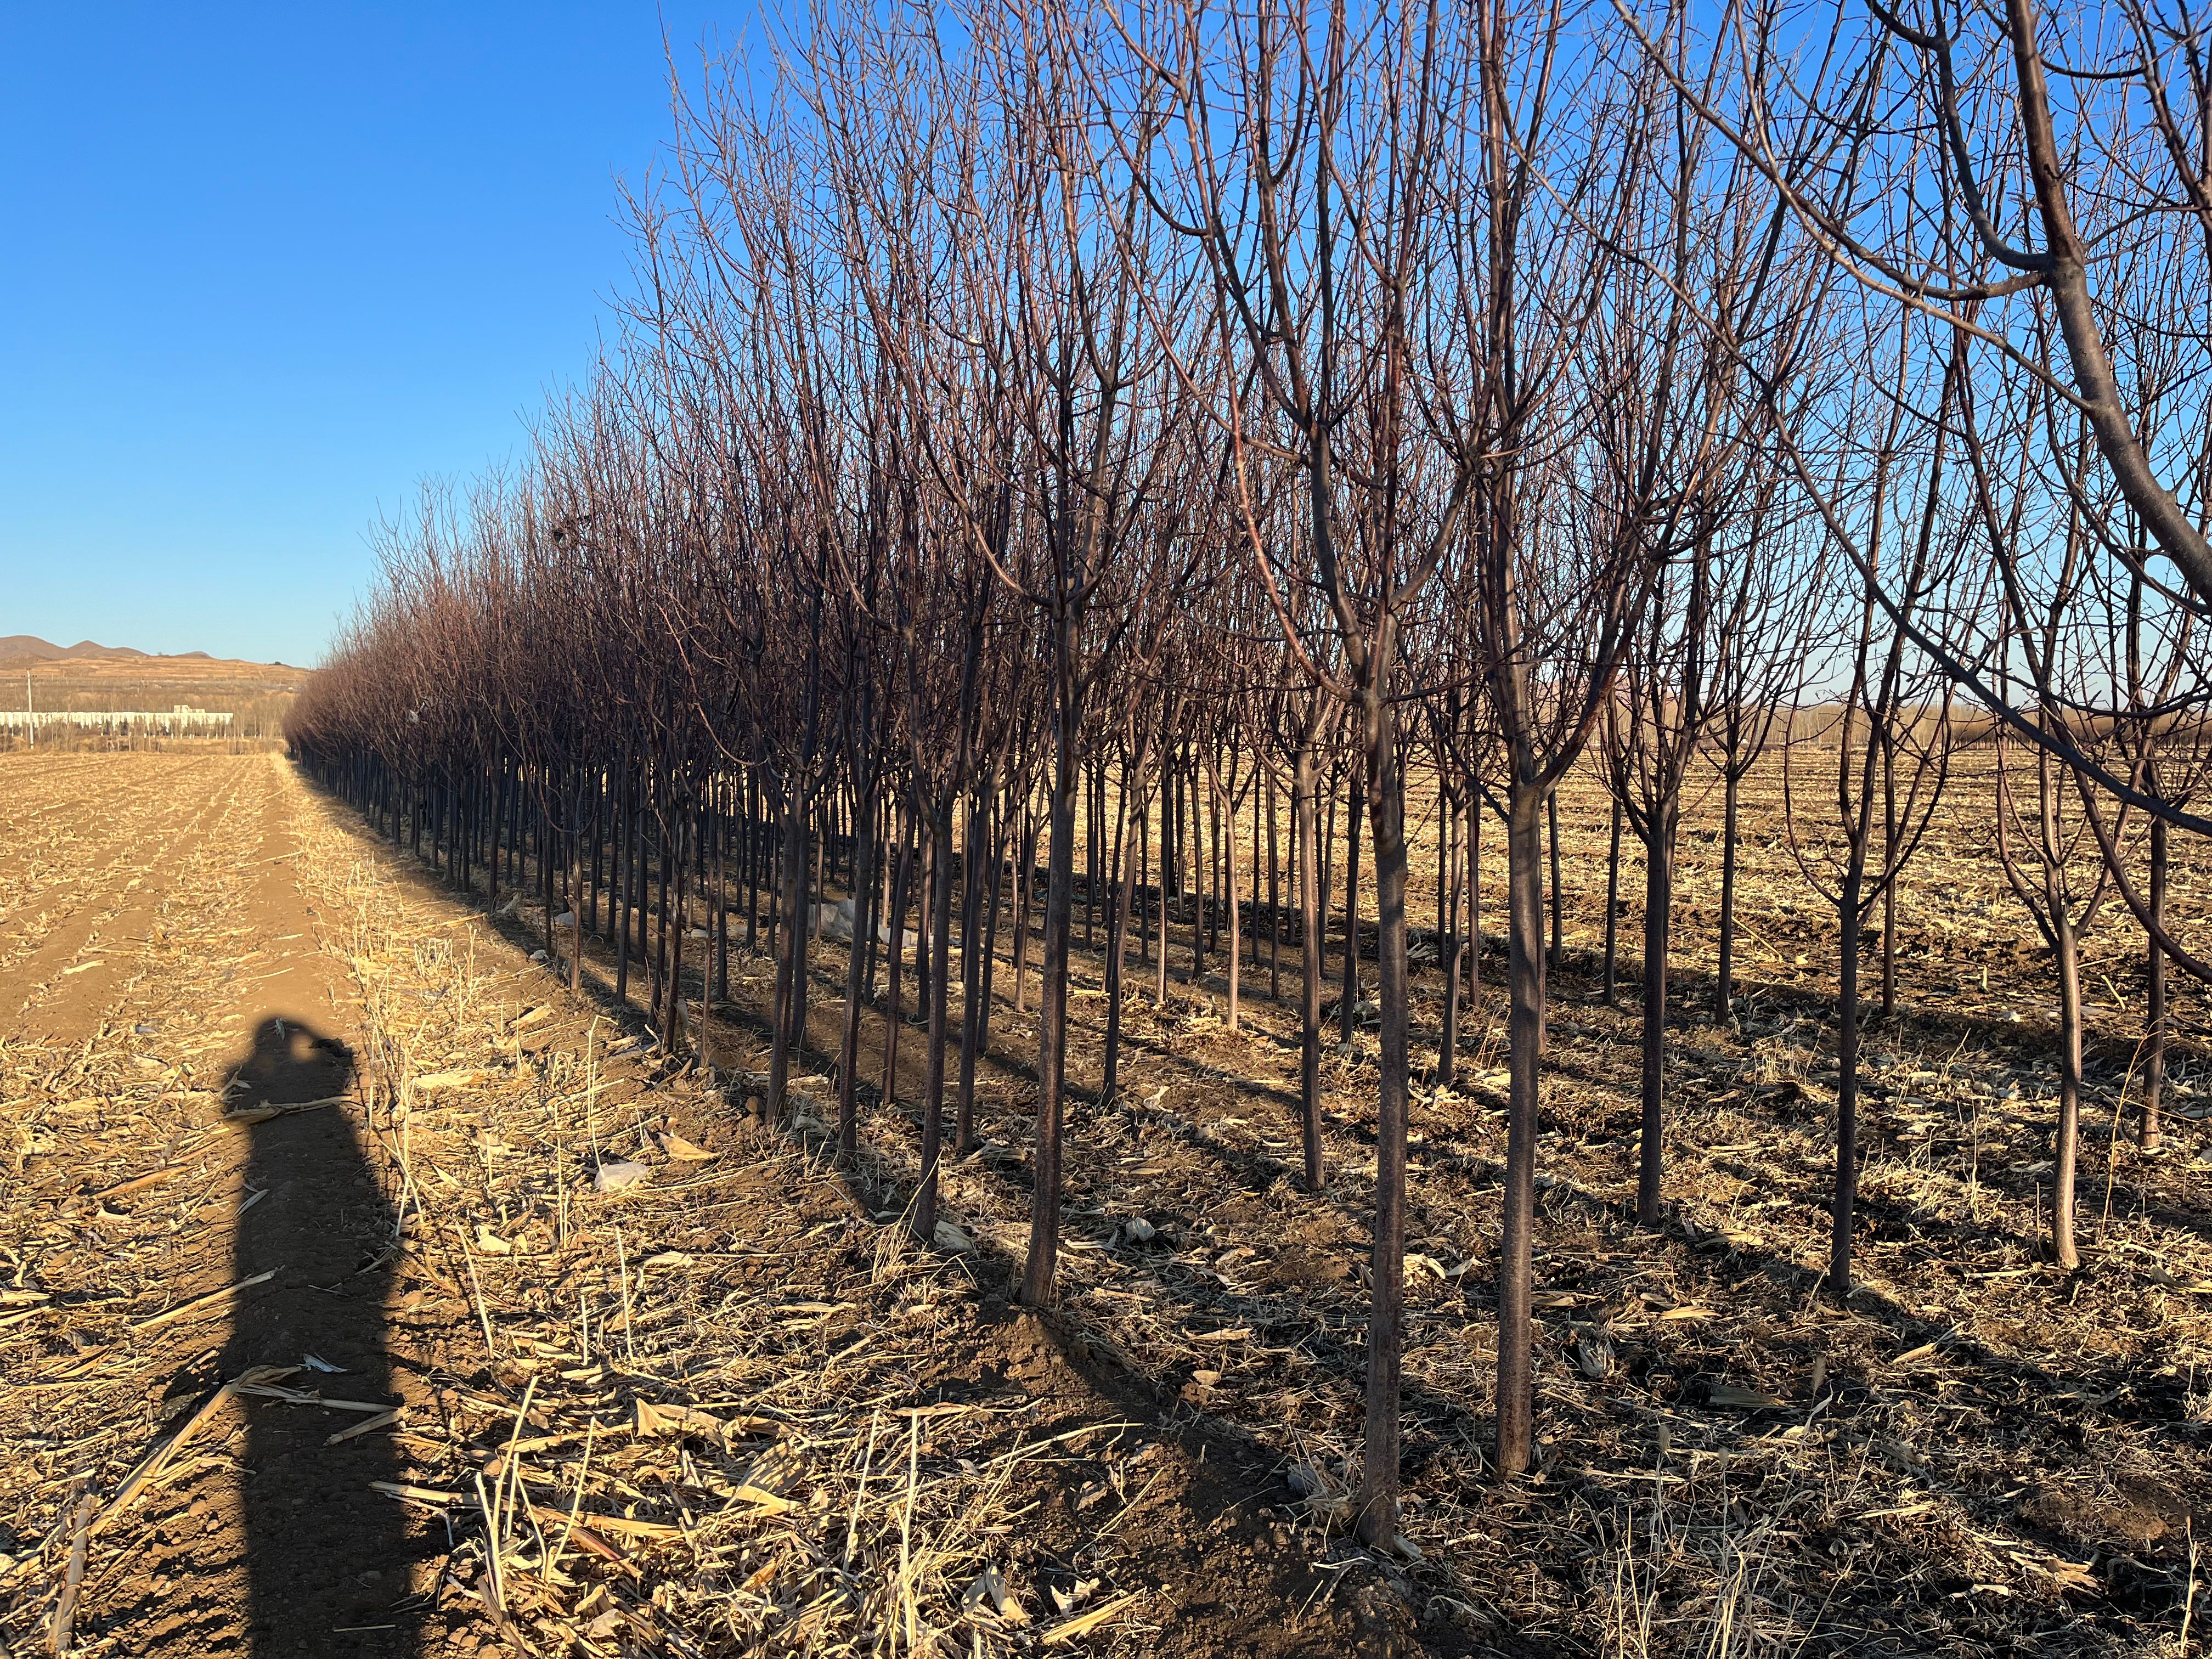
{"x": 328, "y": 1559}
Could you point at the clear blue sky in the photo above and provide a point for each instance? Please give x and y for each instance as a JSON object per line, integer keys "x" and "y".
{"x": 264, "y": 269}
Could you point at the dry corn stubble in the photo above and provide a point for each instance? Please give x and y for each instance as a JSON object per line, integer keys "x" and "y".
{"x": 645, "y": 1416}
{"x": 1730, "y": 1464}
{"x": 1925, "y": 1474}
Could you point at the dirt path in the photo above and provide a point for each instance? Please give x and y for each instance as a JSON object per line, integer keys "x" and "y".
{"x": 180, "y": 972}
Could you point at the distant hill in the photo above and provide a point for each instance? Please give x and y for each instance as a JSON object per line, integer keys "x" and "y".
{"x": 16, "y": 649}
{"x": 20, "y": 651}
{"x": 92, "y": 677}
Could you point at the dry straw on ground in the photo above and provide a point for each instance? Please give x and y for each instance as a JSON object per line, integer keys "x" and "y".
{"x": 732, "y": 1407}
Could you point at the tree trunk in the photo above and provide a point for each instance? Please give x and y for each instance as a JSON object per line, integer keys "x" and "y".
{"x": 971, "y": 975}
{"x": 1613, "y": 911}
{"x": 661, "y": 940}
{"x": 1847, "y": 1087}
{"x": 1444, "y": 865}
{"x": 1216, "y": 863}
{"x": 1275, "y": 900}
{"x": 848, "y": 1050}
{"x": 991, "y": 907}
{"x": 491, "y": 857}
{"x": 1167, "y": 835}
{"x": 575, "y": 874}
{"x": 1252, "y": 936}
{"x": 901, "y": 879}
{"x": 1450, "y": 943}
{"x": 869, "y": 911}
{"x": 2148, "y": 1134}
{"x": 1305, "y": 809}
{"x": 1890, "y": 829}
{"x": 1347, "y": 1013}
{"x": 1198, "y": 886}
{"x": 790, "y": 959}
{"x": 772, "y": 877}
{"x": 1724, "y": 990}
{"x": 753, "y": 862}
{"x": 624, "y": 894}
{"x": 1658, "y": 904}
{"x": 1473, "y": 898}
{"x": 719, "y": 819}
{"x": 679, "y": 930}
{"x": 640, "y": 884}
{"x": 925, "y": 915}
{"x": 1089, "y": 858}
{"x": 1171, "y": 834}
{"x": 1327, "y": 869}
{"x": 1024, "y": 893}
{"x": 658, "y": 1018}
{"x": 1143, "y": 883}
{"x": 819, "y": 883}
{"x": 1038, "y": 1270}
{"x": 1377, "y": 1508}
{"x": 602, "y": 785}
{"x": 1525, "y": 990}
{"x": 1117, "y": 936}
{"x": 1227, "y": 843}
{"x": 2068, "y": 1151}
{"x": 939, "y": 995}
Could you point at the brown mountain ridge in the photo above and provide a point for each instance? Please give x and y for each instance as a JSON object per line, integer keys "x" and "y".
{"x": 29, "y": 647}
{"x": 25, "y": 650}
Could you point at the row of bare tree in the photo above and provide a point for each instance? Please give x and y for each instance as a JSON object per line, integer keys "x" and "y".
{"x": 1043, "y": 433}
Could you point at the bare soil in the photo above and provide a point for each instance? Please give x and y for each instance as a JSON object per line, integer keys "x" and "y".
{"x": 857, "y": 1443}
{"x": 1979, "y": 1453}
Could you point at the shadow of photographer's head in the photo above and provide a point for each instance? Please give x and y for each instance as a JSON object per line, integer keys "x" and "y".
{"x": 289, "y": 1061}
